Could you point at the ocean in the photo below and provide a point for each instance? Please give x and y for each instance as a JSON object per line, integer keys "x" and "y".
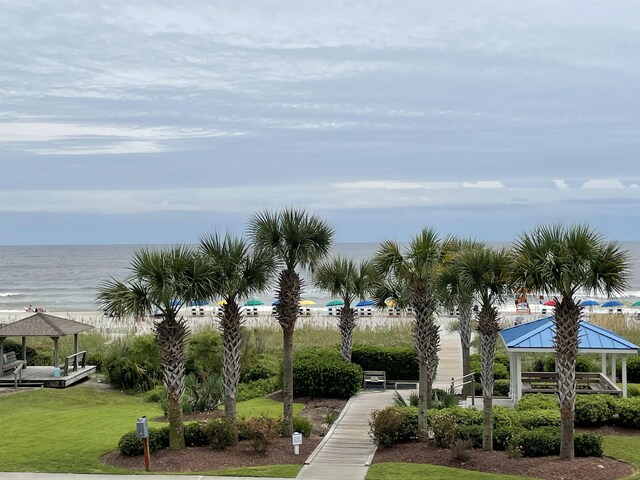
{"x": 65, "y": 278}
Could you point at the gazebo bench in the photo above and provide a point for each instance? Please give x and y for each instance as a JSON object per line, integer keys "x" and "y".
{"x": 376, "y": 378}
{"x": 10, "y": 361}
{"x": 71, "y": 365}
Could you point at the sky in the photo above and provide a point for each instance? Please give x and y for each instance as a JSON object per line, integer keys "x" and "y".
{"x": 158, "y": 121}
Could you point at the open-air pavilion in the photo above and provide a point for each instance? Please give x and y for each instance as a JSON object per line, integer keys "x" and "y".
{"x": 17, "y": 372}
{"x": 537, "y": 336}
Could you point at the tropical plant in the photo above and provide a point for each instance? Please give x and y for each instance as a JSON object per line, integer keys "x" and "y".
{"x": 455, "y": 295}
{"x": 560, "y": 261}
{"x": 238, "y": 272}
{"x": 295, "y": 240}
{"x": 408, "y": 277}
{"x": 162, "y": 280}
{"x": 344, "y": 278}
{"x": 485, "y": 272}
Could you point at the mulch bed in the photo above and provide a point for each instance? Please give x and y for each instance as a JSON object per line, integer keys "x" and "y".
{"x": 548, "y": 468}
{"x": 611, "y": 430}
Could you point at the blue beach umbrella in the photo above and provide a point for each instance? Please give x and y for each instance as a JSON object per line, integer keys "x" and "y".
{"x": 612, "y": 303}
{"x": 277, "y": 302}
{"x": 364, "y": 303}
{"x": 199, "y": 303}
{"x": 589, "y": 303}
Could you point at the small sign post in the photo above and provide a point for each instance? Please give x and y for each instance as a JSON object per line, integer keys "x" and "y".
{"x": 142, "y": 431}
{"x": 296, "y": 439}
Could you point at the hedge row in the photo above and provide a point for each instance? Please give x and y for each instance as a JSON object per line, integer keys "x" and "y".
{"x": 399, "y": 363}
{"x": 219, "y": 433}
{"x": 322, "y": 372}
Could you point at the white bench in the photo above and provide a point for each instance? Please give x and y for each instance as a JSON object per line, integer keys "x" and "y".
{"x": 375, "y": 378}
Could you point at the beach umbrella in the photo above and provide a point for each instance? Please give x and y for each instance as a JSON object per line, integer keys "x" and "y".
{"x": 222, "y": 302}
{"x": 637, "y": 304}
{"x": 550, "y": 303}
{"x": 589, "y": 303}
{"x": 334, "y": 303}
{"x": 390, "y": 302}
{"x": 612, "y": 303}
{"x": 364, "y": 303}
{"x": 253, "y": 303}
{"x": 276, "y": 302}
{"x": 307, "y": 302}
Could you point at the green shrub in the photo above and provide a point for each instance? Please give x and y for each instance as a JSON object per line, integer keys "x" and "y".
{"x": 399, "y": 363}
{"x": 629, "y": 412}
{"x": 594, "y": 409}
{"x": 501, "y": 387}
{"x": 156, "y": 395}
{"x": 449, "y": 423}
{"x": 258, "y": 372}
{"x": 587, "y": 444}
{"x": 500, "y": 370}
{"x": 473, "y": 433}
{"x": 203, "y": 395}
{"x": 257, "y": 388}
{"x": 540, "y": 442}
{"x": 32, "y": 353}
{"x": 133, "y": 363}
{"x": 633, "y": 368}
{"x": 502, "y": 359}
{"x": 585, "y": 364}
{"x": 538, "y": 401}
{"x": 324, "y": 373}
{"x": 204, "y": 353}
{"x": 393, "y": 425}
{"x": 131, "y": 445}
{"x": 533, "y": 419}
{"x": 502, "y": 436}
{"x": 221, "y": 433}
{"x": 302, "y": 425}
{"x": 194, "y": 435}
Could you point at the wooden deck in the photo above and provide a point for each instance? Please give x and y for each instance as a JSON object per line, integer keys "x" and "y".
{"x": 586, "y": 383}
{"x": 43, "y": 377}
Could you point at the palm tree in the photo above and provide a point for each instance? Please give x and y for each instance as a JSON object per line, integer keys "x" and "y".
{"x": 561, "y": 261}
{"x": 486, "y": 272}
{"x": 344, "y": 279}
{"x": 162, "y": 280}
{"x": 456, "y": 296}
{"x": 295, "y": 240}
{"x": 238, "y": 273}
{"x": 409, "y": 278}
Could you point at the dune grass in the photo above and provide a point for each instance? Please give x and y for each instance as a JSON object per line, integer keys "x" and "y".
{"x": 50, "y": 430}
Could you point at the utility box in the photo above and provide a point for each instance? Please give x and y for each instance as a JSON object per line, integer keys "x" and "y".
{"x": 142, "y": 428}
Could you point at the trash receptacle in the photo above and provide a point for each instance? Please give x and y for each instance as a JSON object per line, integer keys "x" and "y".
{"x": 56, "y": 372}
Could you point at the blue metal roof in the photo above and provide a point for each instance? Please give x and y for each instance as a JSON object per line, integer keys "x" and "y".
{"x": 539, "y": 335}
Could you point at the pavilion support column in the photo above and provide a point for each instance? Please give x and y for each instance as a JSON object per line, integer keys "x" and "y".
{"x": 1, "y": 354}
{"x": 75, "y": 350}
{"x": 512, "y": 375}
{"x": 518, "y": 376}
{"x": 24, "y": 352}
{"x": 624, "y": 376}
{"x": 56, "y": 363}
{"x": 613, "y": 367}
{"x": 603, "y": 364}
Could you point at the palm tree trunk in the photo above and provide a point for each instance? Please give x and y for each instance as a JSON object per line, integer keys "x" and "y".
{"x": 287, "y": 314}
{"x": 231, "y": 337}
{"x": 567, "y": 315}
{"x": 171, "y": 335}
{"x": 487, "y": 354}
{"x": 346, "y": 325}
{"x": 465, "y": 342}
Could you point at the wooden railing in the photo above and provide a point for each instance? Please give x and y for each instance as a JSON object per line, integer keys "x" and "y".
{"x": 586, "y": 383}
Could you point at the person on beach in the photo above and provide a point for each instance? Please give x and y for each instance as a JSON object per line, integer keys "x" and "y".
{"x": 29, "y": 309}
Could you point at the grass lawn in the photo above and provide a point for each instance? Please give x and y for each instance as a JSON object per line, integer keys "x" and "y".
{"x": 414, "y": 471}
{"x": 68, "y": 430}
{"x": 623, "y": 448}
{"x": 281, "y": 471}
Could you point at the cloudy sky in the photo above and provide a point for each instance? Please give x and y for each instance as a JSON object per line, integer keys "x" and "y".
{"x": 156, "y": 121}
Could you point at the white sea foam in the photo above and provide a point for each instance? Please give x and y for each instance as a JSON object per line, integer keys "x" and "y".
{"x": 10, "y": 294}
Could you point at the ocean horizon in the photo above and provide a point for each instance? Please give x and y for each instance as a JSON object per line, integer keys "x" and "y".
{"x": 66, "y": 277}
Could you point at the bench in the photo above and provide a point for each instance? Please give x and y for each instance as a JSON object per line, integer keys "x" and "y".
{"x": 72, "y": 362}
{"x": 375, "y": 378}
{"x": 10, "y": 362}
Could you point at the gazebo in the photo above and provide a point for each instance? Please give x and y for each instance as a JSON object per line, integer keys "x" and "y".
{"x": 537, "y": 336}
{"x": 44, "y": 325}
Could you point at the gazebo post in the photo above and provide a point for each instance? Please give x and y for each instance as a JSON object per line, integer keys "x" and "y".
{"x": 24, "y": 352}
{"x": 613, "y": 367}
{"x": 75, "y": 350}
{"x": 518, "y": 376}
{"x": 1, "y": 354}
{"x": 603, "y": 363}
{"x": 512, "y": 375}
{"x": 55, "y": 351}
{"x": 624, "y": 376}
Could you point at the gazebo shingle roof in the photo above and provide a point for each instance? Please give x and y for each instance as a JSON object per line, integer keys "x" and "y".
{"x": 43, "y": 325}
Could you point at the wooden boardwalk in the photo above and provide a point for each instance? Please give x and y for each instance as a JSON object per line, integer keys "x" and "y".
{"x": 450, "y": 364}
{"x": 347, "y": 450}
{"x": 43, "y": 376}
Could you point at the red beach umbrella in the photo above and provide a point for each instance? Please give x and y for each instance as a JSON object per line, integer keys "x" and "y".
{"x": 550, "y": 303}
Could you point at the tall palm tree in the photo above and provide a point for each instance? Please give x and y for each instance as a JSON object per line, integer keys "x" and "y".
{"x": 239, "y": 272}
{"x": 296, "y": 240}
{"x": 163, "y": 280}
{"x": 409, "y": 278}
{"x": 561, "y": 261}
{"x": 345, "y": 279}
{"x": 486, "y": 272}
{"x": 455, "y": 295}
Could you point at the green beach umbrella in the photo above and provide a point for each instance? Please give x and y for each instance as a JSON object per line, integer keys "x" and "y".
{"x": 637, "y": 304}
{"x": 253, "y": 303}
{"x": 334, "y": 303}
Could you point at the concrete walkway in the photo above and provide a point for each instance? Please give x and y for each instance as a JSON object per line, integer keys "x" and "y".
{"x": 450, "y": 363}
{"x": 347, "y": 450}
